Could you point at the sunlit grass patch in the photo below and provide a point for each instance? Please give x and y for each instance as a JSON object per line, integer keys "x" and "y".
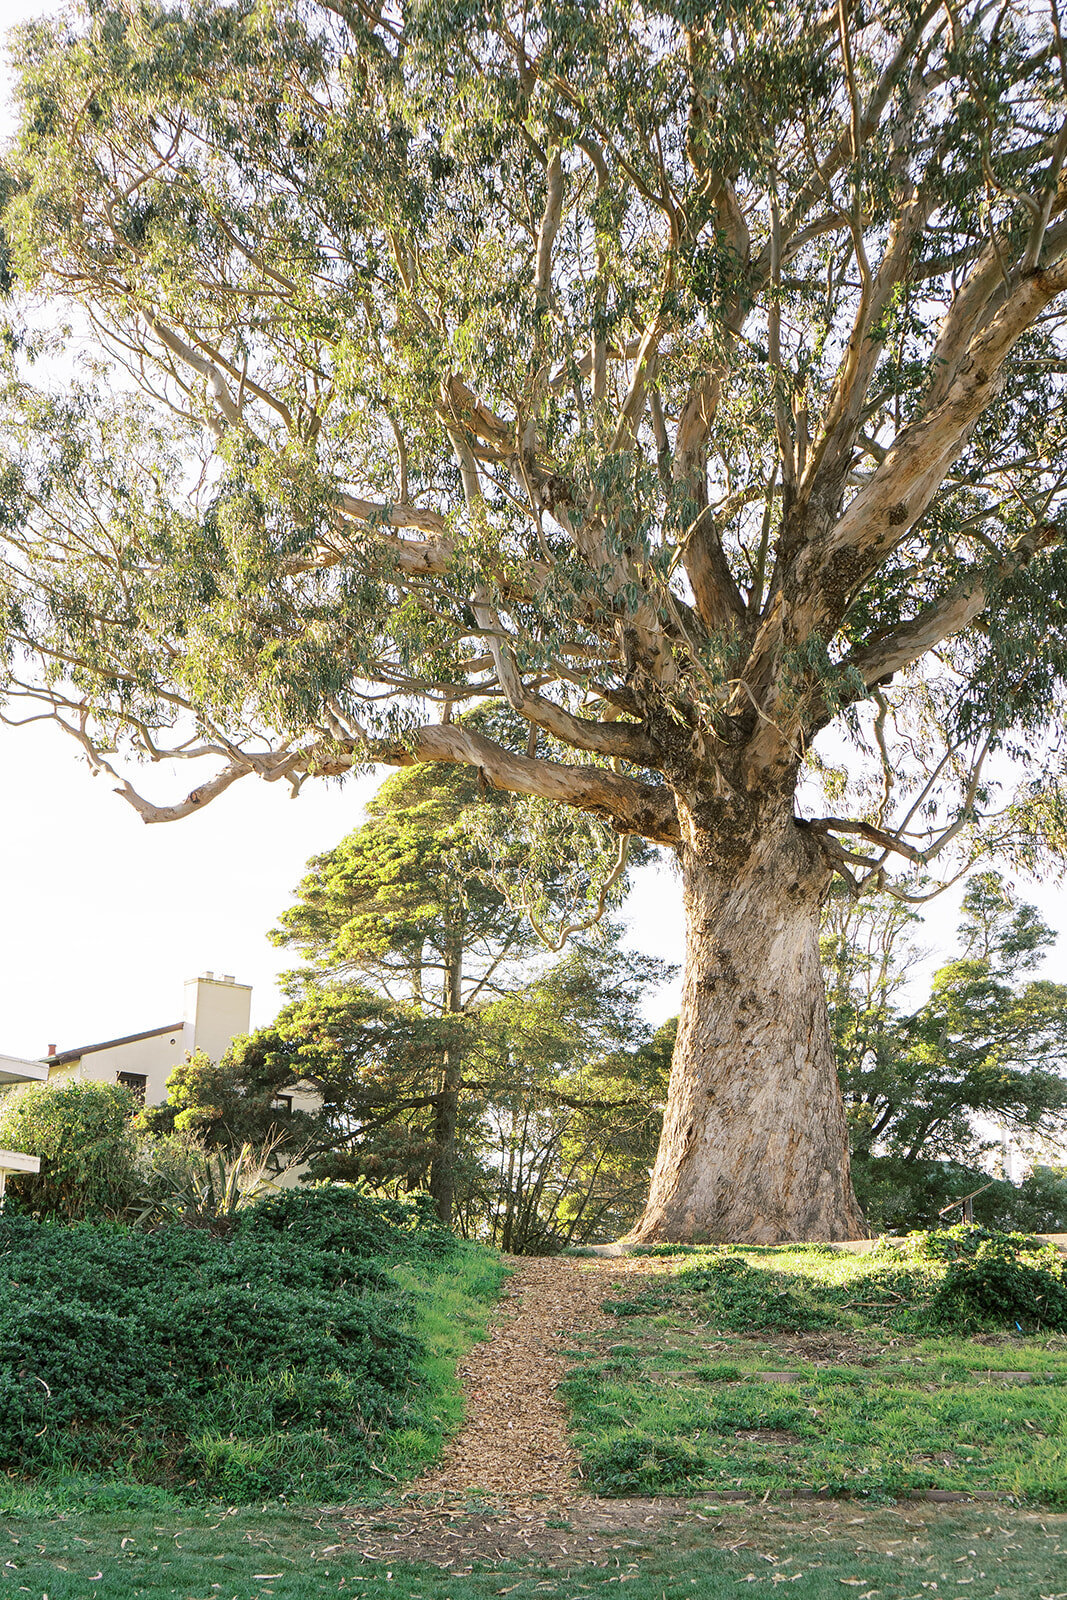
{"x": 707, "y": 1551}
{"x": 770, "y": 1370}
{"x": 452, "y": 1311}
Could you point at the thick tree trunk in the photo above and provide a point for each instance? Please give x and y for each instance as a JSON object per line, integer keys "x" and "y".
{"x": 446, "y": 1110}
{"x": 754, "y": 1146}
{"x": 446, "y": 1120}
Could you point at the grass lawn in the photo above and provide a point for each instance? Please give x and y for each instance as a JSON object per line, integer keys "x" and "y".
{"x": 910, "y": 1554}
{"x": 452, "y": 1309}
{"x": 753, "y": 1370}
{"x": 809, "y": 1371}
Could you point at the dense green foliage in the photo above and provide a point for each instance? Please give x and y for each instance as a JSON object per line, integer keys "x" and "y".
{"x": 452, "y": 1051}
{"x": 83, "y": 1135}
{"x": 184, "y": 1180}
{"x": 437, "y": 862}
{"x": 559, "y": 1110}
{"x": 898, "y": 1194}
{"x": 284, "y": 1359}
{"x": 412, "y": 938}
{"x": 926, "y": 1087}
{"x": 933, "y": 1363}
{"x": 229, "y": 1103}
{"x": 966, "y": 1277}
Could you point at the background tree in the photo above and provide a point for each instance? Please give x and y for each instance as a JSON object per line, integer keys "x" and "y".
{"x": 571, "y": 1104}
{"x": 377, "y": 1064}
{"x": 691, "y": 380}
{"x": 235, "y": 1102}
{"x": 557, "y": 1114}
{"x": 408, "y": 926}
{"x": 987, "y": 1051}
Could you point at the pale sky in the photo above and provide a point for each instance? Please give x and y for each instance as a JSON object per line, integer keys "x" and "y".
{"x": 103, "y": 918}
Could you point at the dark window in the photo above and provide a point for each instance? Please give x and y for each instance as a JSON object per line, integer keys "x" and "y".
{"x": 137, "y": 1081}
{"x": 282, "y": 1102}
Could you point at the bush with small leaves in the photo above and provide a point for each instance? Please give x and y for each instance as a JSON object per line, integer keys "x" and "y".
{"x": 275, "y": 1360}
{"x": 640, "y": 1465}
{"x": 1005, "y": 1282}
{"x": 82, "y": 1133}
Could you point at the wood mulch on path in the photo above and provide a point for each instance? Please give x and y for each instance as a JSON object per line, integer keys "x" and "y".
{"x": 509, "y": 1485}
{"x": 513, "y": 1454}
{"x": 514, "y": 1441}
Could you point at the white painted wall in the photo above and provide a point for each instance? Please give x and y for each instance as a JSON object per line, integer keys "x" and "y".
{"x": 155, "y": 1058}
{"x": 217, "y": 1009}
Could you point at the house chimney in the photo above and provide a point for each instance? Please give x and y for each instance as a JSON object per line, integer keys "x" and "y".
{"x": 51, "y": 1049}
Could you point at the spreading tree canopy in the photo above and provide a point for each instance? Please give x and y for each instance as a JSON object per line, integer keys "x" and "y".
{"x": 689, "y": 376}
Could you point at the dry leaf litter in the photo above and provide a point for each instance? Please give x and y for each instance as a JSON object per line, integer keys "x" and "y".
{"x": 509, "y": 1485}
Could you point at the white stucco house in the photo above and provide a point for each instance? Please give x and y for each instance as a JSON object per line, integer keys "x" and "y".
{"x": 217, "y": 1009}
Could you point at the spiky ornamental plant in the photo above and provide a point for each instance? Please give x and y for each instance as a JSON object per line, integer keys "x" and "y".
{"x": 689, "y": 376}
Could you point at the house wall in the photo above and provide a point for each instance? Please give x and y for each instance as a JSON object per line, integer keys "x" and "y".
{"x": 305, "y": 1097}
{"x": 216, "y": 1010}
{"x": 155, "y": 1058}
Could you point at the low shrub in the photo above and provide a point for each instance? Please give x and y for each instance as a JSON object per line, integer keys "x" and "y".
{"x": 277, "y": 1360}
{"x": 348, "y": 1218}
{"x": 82, "y": 1133}
{"x": 966, "y": 1240}
{"x": 1001, "y": 1284}
{"x": 732, "y": 1293}
{"x": 976, "y": 1277}
{"x": 183, "y": 1180}
{"x": 638, "y": 1464}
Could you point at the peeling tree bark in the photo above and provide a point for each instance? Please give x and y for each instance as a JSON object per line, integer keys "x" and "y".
{"x": 755, "y": 1146}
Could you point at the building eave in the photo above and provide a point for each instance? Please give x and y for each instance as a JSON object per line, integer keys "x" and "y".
{"x": 65, "y": 1057}
{"x": 14, "y": 1070}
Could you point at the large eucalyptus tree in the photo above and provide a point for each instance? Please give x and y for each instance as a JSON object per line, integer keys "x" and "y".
{"x": 689, "y": 375}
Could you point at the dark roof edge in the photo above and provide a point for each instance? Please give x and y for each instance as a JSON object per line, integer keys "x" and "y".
{"x": 63, "y": 1056}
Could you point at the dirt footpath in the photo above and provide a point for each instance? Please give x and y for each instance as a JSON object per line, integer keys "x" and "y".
{"x": 514, "y": 1441}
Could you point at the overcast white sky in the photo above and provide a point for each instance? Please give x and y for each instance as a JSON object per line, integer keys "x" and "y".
{"x": 102, "y": 918}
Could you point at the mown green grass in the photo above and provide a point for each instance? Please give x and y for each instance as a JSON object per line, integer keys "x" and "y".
{"x": 452, "y": 1311}
{"x": 881, "y": 1405}
{"x": 715, "y": 1552}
